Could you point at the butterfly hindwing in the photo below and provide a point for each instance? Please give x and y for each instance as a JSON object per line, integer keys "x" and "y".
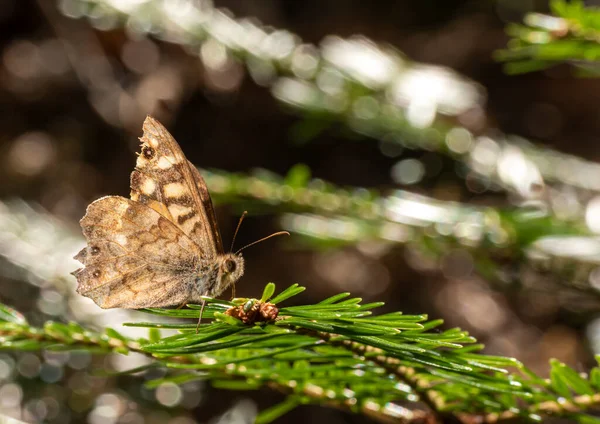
{"x": 168, "y": 183}
{"x": 147, "y": 286}
{"x": 135, "y": 257}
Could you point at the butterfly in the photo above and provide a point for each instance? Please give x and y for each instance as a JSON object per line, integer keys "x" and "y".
{"x": 161, "y": 247}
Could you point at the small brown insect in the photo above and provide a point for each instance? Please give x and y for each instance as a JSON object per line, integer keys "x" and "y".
{"x": 254, "y": 311}
{"x": 162, "y": 247}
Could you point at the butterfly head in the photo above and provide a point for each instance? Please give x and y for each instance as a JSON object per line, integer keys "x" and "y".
{"x": 231, "y": 269}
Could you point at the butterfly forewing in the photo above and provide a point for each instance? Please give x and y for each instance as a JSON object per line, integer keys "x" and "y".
{"x": 207, "y": 207}
{"x": 164, "y": 180}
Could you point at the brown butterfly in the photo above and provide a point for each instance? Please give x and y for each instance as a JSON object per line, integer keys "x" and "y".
{"x": 162, "y": 247}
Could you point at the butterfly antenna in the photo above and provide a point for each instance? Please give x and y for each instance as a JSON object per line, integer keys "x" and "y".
{"x": 279, "y": 233}
{"x": 237, "y": 229}
{"x": 200, "y": 317}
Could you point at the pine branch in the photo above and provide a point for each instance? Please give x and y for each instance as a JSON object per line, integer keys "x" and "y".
{"x": 404, "y": 374}
{"x": 560, "y": 252}
{"x": 556, "y": 253}
{"x": 17, "y": 334}
{"x": 375, "y": 104}
{"x": 571, "y": 34}
{"x": 333, "y": 353}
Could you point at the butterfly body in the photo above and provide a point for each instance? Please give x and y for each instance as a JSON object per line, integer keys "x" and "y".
{"x": 162, "y": 247}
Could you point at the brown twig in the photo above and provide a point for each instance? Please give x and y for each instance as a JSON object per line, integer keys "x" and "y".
{"x": 404, "y": 374}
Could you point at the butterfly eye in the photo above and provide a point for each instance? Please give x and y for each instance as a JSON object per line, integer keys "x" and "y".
{"x": 95, "y": 250}
{"x": 148, "y": 152}
{"x": 230, "y": 266}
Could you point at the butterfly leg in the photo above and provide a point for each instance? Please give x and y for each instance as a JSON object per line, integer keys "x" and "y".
{"x": 181, "y": 306}
{"x": 233, "y": 291}
{"x": 200, "y": 317}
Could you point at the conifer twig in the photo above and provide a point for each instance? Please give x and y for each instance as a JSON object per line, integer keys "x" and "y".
{"x": 535, "y": 240}
{"x": 404, "y": 374}
{"x": 570, "y": 34}
{"x": 332, "y": 353}
{"x": 291, "y": 71}
{"x": 88, "y": 339}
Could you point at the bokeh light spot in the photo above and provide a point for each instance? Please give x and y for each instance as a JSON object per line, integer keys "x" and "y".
{"x": 169, "y": 394}
{"x": 408, "y": 171}
{"x": 31, "y": 153}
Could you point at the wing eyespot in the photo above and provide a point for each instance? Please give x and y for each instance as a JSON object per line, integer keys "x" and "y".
{"x": 148, "y": 152}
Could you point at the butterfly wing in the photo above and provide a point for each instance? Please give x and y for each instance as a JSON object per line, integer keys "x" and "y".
{"x": 168, "y": 183}
{"x": 208, "y": 206}
{"x": 135, "y": 258}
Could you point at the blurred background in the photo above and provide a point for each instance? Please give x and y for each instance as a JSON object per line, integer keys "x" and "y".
{"x": 383, "y": 135}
